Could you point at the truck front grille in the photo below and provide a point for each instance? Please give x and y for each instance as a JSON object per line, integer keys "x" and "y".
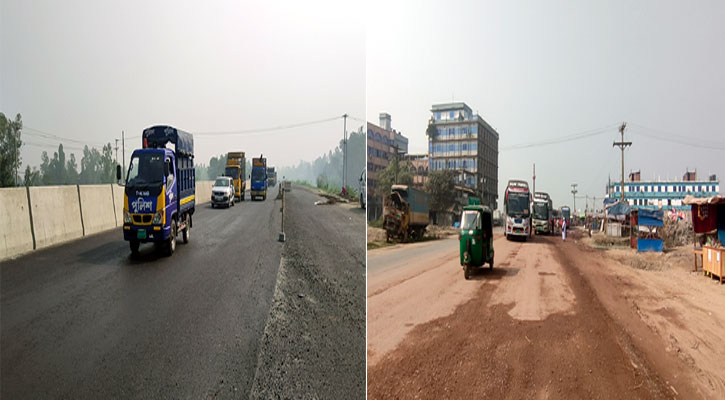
{"x": 142, "y": 218}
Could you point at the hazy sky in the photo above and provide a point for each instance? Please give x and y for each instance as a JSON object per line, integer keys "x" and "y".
{"x": 541, "y": 70}
{"x": 87, "y": 70}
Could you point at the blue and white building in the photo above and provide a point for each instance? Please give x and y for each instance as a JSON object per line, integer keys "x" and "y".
{"x": 466, "y": 143}
{"x": 658, "y": 194}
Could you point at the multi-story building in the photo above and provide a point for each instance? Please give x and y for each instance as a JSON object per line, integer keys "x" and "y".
{"x": 383, "y": 142}
{"x": 419, "y": 169}
{"x": 466, "y": 143}
{"x": 656, "y": 194}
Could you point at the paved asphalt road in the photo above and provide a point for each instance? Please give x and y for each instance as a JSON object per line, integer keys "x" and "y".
{"x": 314, "y": 342}
{"x": 87, "y": 320}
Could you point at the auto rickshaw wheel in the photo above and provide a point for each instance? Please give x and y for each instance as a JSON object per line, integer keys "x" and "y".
{"x": 467, "y": 269}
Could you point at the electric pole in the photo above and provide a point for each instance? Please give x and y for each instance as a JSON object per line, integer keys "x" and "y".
{"x": 574, "y": 192}
{"x": 622, "y": 145}
{"x": 344, "y": 149}
{"x": 123, "y": 155}
{"x": 116, "y": 151}
{"x": 534, "y": 178}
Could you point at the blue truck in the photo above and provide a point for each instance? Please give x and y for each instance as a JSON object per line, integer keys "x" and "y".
{"x": 259, "y": 178}
{"x": 159, "y": 195}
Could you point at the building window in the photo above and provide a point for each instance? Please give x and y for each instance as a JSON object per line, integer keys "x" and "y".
{"x": 450, "y": 115}
{"x": 438, "y": 115}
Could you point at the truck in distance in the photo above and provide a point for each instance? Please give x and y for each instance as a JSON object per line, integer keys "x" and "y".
{"x": 542, "y": 215}
{"x": 159, "y": 193}
{"x": 271, "y": 176}
{"x": 259, "y": 178}
{"x": 405, "y": 213}
{"x": 517, "y": 213}
{"x": 236, "y": 169}
{"x": 222, "y": 192}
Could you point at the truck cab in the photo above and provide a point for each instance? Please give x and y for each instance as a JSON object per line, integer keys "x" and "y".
{"x": 159, "y": 194}
{"x": 235, "y": 169}
{"x": 259, "y": 178}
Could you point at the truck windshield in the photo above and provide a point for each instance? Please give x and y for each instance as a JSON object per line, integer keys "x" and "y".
{"x": 222, "y": 182}
{"x": 258, "y": 174}
{"x": 566, "y": 213}
{"x": 469, "y": 220}
{"x": 517, "y": 205}
{"x": 232, "y": 172}
{"x": 145, "y": 170}
{"x": 541, "y": 211}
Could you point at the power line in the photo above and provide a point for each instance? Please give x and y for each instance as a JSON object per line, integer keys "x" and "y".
{"x": 268, "y": 129}
{"x": 691, "y": 142}
{"x": 669, "y": 135}
{"x": 563, "y": 139}
{"x": 51, "y": 146}
{"x": 47, "y": 135}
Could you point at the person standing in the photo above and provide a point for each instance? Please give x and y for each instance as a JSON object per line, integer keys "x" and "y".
{"x": 563, "y": 229}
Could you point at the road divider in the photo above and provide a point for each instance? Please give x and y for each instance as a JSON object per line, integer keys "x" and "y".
{"x": 41, "y": 216}
{"x": 56, "y": 213}
{"x": 16, "y": 236}
{"x": 97, "y": 208}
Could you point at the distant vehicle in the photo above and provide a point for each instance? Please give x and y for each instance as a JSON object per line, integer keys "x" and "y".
{"x": 236, "y": 169}
{"x": 542, "y": 216}
{"x": 222, "y": 192}
{"x": 516, "y": 206}
{"x": 362, "y": 186}
{"x": 566, "y": 215}
{"x": 271, "y": 176}
{"x": 259, "y": 178}
{"x": 405, "y": 213}
{"x": 159, "y": 195}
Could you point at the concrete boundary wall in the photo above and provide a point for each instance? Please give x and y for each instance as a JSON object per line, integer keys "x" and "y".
{"x": 41, "y": 216}
{"x": 16, "y": 236}
{"x": 56, "y": 214}
{"x": 118, "y": 191}
{"x": 203, "y": 192}
{"x": 97, "y": 208}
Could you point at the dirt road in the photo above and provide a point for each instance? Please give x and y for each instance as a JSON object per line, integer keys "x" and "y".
{"x": 533, "y": 327}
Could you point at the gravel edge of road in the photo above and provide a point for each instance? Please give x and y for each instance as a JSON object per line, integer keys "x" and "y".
{"x": 275, "y": 312}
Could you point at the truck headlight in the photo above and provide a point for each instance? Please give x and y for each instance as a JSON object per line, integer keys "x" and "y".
{"x": 157, "y": 217}
{"x": 127, "y": 217}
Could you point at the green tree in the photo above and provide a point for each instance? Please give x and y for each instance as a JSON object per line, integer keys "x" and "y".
{"x": 441, "y": 186}
{"x": 431, "y": 131}
{"x": 10, "y": 144}
{"x": 216, "y": 166}
{"x": 71, "y": 171}
{"x": 395, "y": 173}
{"x": 31, "y": 178}
{"x": 200, "y": 172}
{"x": 91, "y": 171}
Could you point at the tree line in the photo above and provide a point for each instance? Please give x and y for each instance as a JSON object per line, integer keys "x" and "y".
{"x": 96, "y": 165}
{"x": 326, "y": 170}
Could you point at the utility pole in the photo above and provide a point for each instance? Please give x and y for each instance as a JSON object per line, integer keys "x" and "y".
{"x": 123, "y": 154}
{"x": 116, "y": 151}
{"x": 574, "y": 192}
{"x": 534, "y": 178}
{"x": 344, "y": 149}
{"x": 622, "y": 145}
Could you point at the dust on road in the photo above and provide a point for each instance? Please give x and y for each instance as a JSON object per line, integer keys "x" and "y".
{"x": 531, "y": 328}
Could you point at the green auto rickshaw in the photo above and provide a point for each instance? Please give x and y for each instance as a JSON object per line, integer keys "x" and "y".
{"x": 476, "y": 238}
